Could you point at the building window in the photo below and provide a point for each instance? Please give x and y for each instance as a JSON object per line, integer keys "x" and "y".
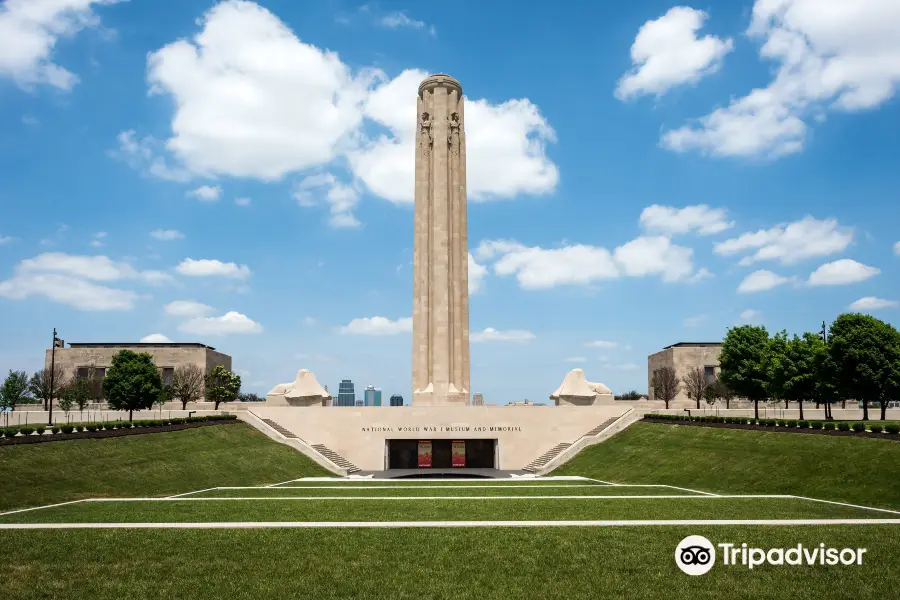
{"x": 167, "y": 374}
{"x": 709, "y": 373}
{"x": 100, "y": 372}
{"x": 82, "y": 372}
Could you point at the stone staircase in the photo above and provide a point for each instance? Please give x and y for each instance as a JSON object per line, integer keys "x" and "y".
{"x": 601, "y": 427}
{"x": 285, "y": 432}
{"x": 546, "y": 457}
{"x": 335, "y": 458}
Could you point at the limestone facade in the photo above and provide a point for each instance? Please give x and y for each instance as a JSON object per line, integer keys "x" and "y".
{"x": 683, "y": 357}
{"x": 440, "y": 253}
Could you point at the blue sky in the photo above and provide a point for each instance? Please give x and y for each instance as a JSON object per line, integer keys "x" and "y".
{"x": 240, "y": 174}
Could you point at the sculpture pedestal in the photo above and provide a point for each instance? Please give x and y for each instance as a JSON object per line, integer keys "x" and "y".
{"x": 431, "y": 397}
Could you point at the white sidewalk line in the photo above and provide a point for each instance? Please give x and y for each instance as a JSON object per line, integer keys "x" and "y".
{"x": 448, "y": 524}
{"x": 194, "y": 492}
{"x": 277, "y": 484}
{"x": 690, "y": 490}
{"x": 21, "y": 510}
{"x": 893, "y": 512}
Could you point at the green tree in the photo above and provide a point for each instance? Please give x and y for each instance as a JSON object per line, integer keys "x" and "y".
{"x": 132, "y": 382}
{"x": 777, "y": 366}
{"x": 222, "y": 386}
{"x": 866, "y": 355}
{"x": 77, "y": 392}
{"x": 166, "y": 394}
{"x": 743, "y": 362}
{"x": 800, "y": 368}
{"x": 827, "y": 391}
{"x": 39, "y": 384}
{"x": 719, "y": 390}
{"x": 14, "y": 389}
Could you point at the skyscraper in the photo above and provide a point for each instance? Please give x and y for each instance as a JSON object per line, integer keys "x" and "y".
{"x": 346, "y": 394}
{"x": 377, "y": 397}
{"x": 369, "y": 396}
{"x": 396, "y": 400}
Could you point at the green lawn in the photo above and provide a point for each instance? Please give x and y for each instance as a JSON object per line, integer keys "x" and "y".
{"x": 412, "y": 564}
{"x": 431, "y": 491}
{"x": 486, "y": 509}
{"x": 733, "y": 461}
{"x": 154, "y": 464}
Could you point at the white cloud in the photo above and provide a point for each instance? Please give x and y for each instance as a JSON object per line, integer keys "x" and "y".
{"x": 667, "y": 53}
{"x": 872, "y": 303}
{"x": 29, "y": 30}
{"x": 751, "y": 316}
{"x": 693, "y": 321}
{"x": 377, "y": 326}
{"x": 309, "y": 321}
{"x": 626, "y": 367}
{"x": 243, "y": 201}
{"x": 211, "y": 267}
{"x": 669, "y": 220}
{"x": 576, "y": 359}
{"x": 229, "y": 323}
{"x": 791, "y": 243}
{"x": 540, "y": 268}
{"x": 760, "y": 281}
{"x": 166, "y": 235}
{"x": 398, "y": 19}
{"x": 897, "y": 248}
{"x": 67, "y": 289}
{"x": 206, "y": 193}
{"x": 600, "y": 344}
{"x": 145, "y": 155}
{"x": 98, "y": 268}
{"x": 155, "y": 338}
{"x": 98, "y": 238}
{"x": 6, "y": 239}
{"x": 477, "y": 273}
{"x": 341, "y": 197}
{"x": 187, "y": 308}
{"x": 492, "y": 335}
{"x": 842, "y": 272}
{"x": 841, "y": 57}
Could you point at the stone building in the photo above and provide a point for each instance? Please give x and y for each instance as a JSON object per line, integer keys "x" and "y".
{"x": 683, "y": 357}
{"x": 77, "y": 359}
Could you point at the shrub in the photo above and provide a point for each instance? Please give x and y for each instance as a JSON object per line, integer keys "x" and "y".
{"x": 843, "y": 426}
{"x": 790, "y": 423}
{"x": 67, "y": 429}
{"x": 803, "y": 424}
{"x": 876, "y": 428}
{"x": 859, "y": 427}
{"x": 26, "y": 430}
{"x": 892, "y": 429}
{"x": 829, "y": 425}
{"x": 40, "y": 429}
{"x": 126, "y": 425}
{"x": 780, "y": 422}
{"x": 11, "y": 431}
{"x": 55, "y": 429}
{"x": 816, "y": 424}
{"x": 91, "y": 427}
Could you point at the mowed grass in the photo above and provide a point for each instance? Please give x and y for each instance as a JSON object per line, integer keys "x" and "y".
{"x": 412, "y": 564}
{"x": 154, "y": 464}
{"x": 732, "y": 461}
{"x": 349, "y": 491}
{"x": 474, "y": 509}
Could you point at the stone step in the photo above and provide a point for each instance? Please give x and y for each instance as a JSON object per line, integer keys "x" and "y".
{"x": 335, "y": 458}
{"x": 284, "y": 432}
{"x": 545, "y": 457}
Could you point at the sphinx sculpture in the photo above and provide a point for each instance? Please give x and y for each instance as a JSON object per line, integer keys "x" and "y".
{"x": 576, "y": 390}
{"x": 303, "y": 391}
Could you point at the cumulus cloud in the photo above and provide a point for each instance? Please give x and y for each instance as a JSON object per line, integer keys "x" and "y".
{"x": 791, "y": 243}
{"x": 700, "y": 218}
{"x": 576, "y": 359}
{"x": 6, "y": 239}
{"x": 230, "y": 323}
{"x": 751, "y": 316}
{"x": 341, "y": 197}
{"x": 600, "y": 344}
{"x": 477, "y": 273}
{"x": 844, "y": 59}
{"x": 166, "y": 235}
{"x": 242, "y": 201}
{"x": 493, "y": 335}
{"x": 399, "y": 19}
{"x": 760, "y": 281}
{"x": 377, "y": 326}
{"x": 206, "y": 193}
{"x": 29, "y": 30}
{"x": 97, "y": 268}
{"x": 667, "y": 52}
{"x": 66, "y": 289}
{"x": 841, "y": 272}
{"x": 870, "y": 303}
{"x": 146, "y": 155}
{"x": 897, "y": 248}
{"x": 187, "y": 308}
{"x": 155, "y": 338}
{"x": 205, "y": 267}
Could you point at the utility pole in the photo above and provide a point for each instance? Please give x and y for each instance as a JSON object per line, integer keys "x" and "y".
{"x": 52, "y": 373}
{"x": 824, "y": 333}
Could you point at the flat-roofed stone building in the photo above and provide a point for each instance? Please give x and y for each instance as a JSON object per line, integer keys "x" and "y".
{"x": 78, "y": 358}
{"x": 683, "y": 357}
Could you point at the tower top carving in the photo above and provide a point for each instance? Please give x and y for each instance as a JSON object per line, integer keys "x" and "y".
{"x": 440, "y": 80}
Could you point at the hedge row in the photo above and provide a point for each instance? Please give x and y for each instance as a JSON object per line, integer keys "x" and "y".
{"x": 100, "y": 426}
{"x": 892, "y": 428}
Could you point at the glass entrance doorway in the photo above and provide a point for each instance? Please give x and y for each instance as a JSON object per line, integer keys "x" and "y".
{"x": 441, "y": 454}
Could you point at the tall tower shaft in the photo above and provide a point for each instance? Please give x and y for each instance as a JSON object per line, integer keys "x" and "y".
{"x": 440, "y": 256}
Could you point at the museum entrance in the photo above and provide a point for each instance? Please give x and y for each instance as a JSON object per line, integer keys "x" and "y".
{"x": 441, "y": 454}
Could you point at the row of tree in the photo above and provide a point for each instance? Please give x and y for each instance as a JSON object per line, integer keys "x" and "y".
{"x": 857, "y": 358}
{"x": 132, "y": 382}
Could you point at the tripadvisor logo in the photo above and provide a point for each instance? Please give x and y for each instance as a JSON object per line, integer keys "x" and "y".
{"x": 696, "y": 555}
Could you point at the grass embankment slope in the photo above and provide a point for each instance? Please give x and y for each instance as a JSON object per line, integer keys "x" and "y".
{"x": 155, "y": 464}
{"x": 855, "y": 470}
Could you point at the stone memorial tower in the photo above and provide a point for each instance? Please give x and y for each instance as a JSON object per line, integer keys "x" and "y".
{"x": 440, "y": 256}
